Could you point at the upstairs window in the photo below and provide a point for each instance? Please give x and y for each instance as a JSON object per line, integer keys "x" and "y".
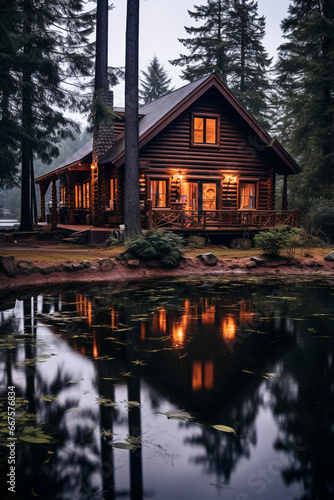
{"x": 205, "y": 130}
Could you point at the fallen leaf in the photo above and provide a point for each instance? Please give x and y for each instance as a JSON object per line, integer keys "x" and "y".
{"x": 224, "y": 428}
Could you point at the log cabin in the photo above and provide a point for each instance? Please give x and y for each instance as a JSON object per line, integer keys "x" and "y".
{"x": 206, "y": 165}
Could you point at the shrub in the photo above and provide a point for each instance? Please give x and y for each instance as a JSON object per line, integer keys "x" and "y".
{"x": 194, "y": 241}
{"x": 272, "y": 242}
{"x": 323, "y": 220}
{"x": 159, "y": 245}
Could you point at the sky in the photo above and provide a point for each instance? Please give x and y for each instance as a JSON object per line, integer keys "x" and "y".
{"x": 162, "y": 23}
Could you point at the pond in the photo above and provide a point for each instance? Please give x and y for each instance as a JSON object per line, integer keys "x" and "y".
{"x": 172, "y": 389}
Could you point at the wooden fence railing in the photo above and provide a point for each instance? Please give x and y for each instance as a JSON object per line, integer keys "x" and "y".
{"x": 221, "y": 219}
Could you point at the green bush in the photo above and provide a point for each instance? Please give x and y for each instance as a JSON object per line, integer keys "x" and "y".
{"x": 159, "y": 245}
{"x": 272, "y": 242}
{"x": 194, "y": 241}
{"x": 323, "y": 220}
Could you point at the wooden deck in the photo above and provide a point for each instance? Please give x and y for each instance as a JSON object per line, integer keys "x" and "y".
{"x": 222, "y": 220}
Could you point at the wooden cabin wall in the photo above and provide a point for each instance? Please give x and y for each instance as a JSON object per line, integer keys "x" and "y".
{"x": 119, "y": 127}
{"x": 240, "y": 153}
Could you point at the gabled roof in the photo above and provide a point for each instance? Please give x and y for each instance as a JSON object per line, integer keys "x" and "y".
{"x": 158, "y": 114}
{"x": 155, "y": 116}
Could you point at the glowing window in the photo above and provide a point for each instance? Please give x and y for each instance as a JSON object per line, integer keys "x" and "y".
{"x": 247, "y": 195}
{"x": 205, "y": 130}
{"x": 159, "y": 194}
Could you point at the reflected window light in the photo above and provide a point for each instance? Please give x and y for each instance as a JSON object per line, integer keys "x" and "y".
{"x": 162, "y": 320}
{"x": 142, "y": 330}
{"x": 208, "y": 374}
{"x": 197, "y": 376}
{"x": 229, "y": 328}
{"x": 95, "y": 345}
{"x": 178, "y": 335}
{"x": 113, "y": 318}
{"x": 209, "y": 312}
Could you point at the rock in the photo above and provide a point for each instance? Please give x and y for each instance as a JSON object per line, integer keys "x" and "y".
{"x": 209, "y": 259}
{"x": 258, "y": 261}
{"x": 25, "y": 267}
{"x": 86, "y": 264}
{"x": 329, "y": 257}
{"x": 105, "y": 265}
{"x": 314, "y": 263}
{"x": 51, "y": 269}
{"x": 67, "y": 266}
{"x": 8, "y": 266}
{"x": 133, "y": 263}
{"x": 251, "y": 265}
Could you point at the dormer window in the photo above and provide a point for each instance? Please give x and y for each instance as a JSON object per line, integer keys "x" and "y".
{"x": 205, "y": 130}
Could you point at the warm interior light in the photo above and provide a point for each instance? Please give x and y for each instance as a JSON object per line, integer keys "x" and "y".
{"x": 229, "y": 327}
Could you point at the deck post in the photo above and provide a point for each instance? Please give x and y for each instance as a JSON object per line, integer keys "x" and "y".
{"x": 285, "y": 193}
{"x": 42, "y": 196}
{"x": 54, "y": 202}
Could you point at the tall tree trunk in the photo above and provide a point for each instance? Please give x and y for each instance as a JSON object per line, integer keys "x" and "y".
{"x": 27, "y": 152}
{"x": 26, "y": 155}
{"x": 132, "y": 203}
{"x": 101, "y": 58}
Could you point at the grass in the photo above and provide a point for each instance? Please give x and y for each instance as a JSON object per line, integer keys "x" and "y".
{"x": 61, "y": 253}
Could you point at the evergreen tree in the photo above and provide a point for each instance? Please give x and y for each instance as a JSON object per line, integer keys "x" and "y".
{"x": 248, "y": 78}
{"x": 9, "y": 23}
{"x": 208, "y": 45}
{"x": 229, "y": 43}
{"x": 48, "y": 53}
{"x": 306, "y": 78}
{"x": 155, "y": 83}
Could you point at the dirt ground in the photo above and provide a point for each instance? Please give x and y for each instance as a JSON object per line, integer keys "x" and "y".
{"x": 44, "y": 254}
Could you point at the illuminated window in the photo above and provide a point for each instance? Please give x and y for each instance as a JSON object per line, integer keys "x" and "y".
{"x": 205, "y": 130}
{"x": 113, "y": 193}
{"x": 62, "y": 194}
{"x": 159, "y": 194}
{"x": 247, "y": 195}
{"x": 82, "y": 195}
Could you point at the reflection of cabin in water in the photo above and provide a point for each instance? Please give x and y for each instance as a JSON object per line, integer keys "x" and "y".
{"x": 205, "y": 164}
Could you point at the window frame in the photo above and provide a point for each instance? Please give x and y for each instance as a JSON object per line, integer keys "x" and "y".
{"x": 167, "y": 197}
{"x": 255, "y": 182}
{"x": 82, "y": 195}
{"x": 205, "y": 116}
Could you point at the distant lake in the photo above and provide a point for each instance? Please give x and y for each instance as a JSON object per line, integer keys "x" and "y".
{"x": 173, "y": 389}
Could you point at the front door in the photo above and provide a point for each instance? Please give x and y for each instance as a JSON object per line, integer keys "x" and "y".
{"x": 199, "y": 195}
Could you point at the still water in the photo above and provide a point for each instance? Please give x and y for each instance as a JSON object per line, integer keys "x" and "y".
{"x": 169, "y": 390}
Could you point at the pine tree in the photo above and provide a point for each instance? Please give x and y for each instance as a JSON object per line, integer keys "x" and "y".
{"x": 155, "y": 83}
{"x": 248, "y": 78}
{"x": 9, "y": 157}
{"x": 208, "y": 46}
{"x": 229, "y": 43}
{"x": 42, "y": 77}
{"x": 306, "y": 80}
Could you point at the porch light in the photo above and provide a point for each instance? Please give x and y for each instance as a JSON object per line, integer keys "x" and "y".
{"x": 93, "y": 166}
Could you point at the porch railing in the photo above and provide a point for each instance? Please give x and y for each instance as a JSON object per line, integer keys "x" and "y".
{"x": 222, "y": 219}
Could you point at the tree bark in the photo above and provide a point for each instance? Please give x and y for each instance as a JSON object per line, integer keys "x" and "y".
{"x": 101, "y": 55}
{"x": 131, "y": 180}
